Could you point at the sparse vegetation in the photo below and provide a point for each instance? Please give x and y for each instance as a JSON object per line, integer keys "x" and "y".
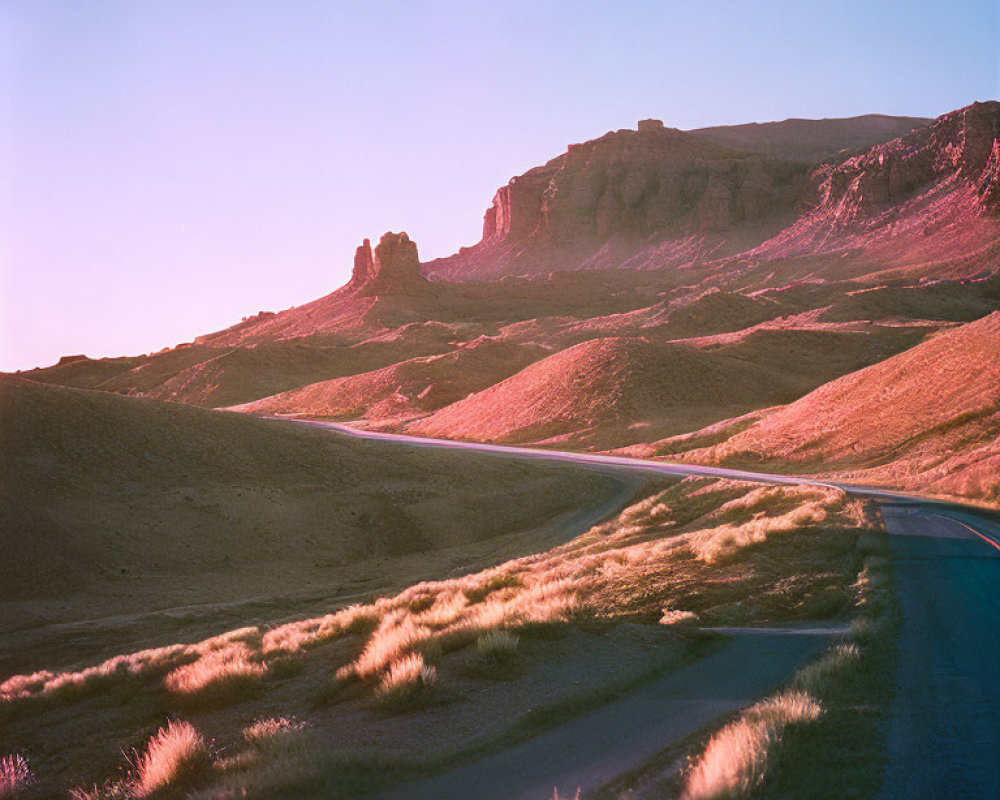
{"x": 218, "y": 675}
{"x": 497, "y": 645}
{"x": 736, "y": 757}
{"x": 15, "y": 776}
{"x": 703, "y": 551}
{"x": 841, "y": 755}
{"x": 407, "y": 681}
{"x": 175, "y": 755}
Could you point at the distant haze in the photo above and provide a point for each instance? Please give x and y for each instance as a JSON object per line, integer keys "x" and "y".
{"x": 169, "y": 167}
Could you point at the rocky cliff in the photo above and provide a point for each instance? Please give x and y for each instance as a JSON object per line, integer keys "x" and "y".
{"x": 657, "y": 197}
{"x": 603, "y": 200}
{"x": 932, "y": 193}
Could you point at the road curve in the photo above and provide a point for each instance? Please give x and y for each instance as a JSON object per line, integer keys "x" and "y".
{"x": 943, "y": 736}
{"x": 670, "y": 468}
{"x": 592, "y": 750}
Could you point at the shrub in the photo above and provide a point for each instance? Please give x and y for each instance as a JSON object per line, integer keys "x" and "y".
{"x": 15, "y": 775}
{"x": 175, "y": 754}
{"x": 497, "y": 645}
{"x": 407, "y": 680}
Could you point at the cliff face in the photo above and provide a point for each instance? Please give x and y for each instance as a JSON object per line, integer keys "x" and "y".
{"x": 616, "y": 192}
{"x": 959, "y": 147}
{"x": 927, "y": 195}
{"x": 658, "y": 197}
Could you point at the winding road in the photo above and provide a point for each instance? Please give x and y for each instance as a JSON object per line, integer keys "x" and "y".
{"x": 943, "y": 735}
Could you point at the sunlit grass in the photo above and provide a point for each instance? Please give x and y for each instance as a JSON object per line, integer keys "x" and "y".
{"x": 175, "y": 754}
{"x": 15, "y": 776}
{"x": 735, "y": 759}
{"x": 680, "y": 557}
{"x": 217, "y": 675}
{"x": 407, "y": 680}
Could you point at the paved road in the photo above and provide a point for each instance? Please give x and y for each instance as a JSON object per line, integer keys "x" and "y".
{"x": 944, "y": 731}
{"x": 673, "y": 469}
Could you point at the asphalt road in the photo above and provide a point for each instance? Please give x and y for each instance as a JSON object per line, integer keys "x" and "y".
{"x": 672, "y": 469}
{"x": 944, "y": 730}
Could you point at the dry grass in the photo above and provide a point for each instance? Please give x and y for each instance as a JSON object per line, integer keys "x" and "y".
{"x": 174, "y": 755}
{"x": 406, "y": 680}
{"x": 642, "y": 562}
{"x": 841, "y": 752}
{"x": 735, "y": 759}
{"x": 218, "y": 674}
{"x": 294, "y": 637}
{"x": 770, "y": 558}
{"x": 498, "y": 645}
{"x": 672, "y": 616}
{"x": 139, "y": 665}
{"x": 809, "y": 507}
{"x": 276, "y": 754}
{"x": 269, "y": 729}
{"x": 15, "y": 776}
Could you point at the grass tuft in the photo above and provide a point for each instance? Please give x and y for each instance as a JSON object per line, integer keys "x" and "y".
{"x": 15, "y": 776}
{"x": 218, "y": 676}
{"x": 175, "y": 755}
{"x": 408, "y": 681}
{"x": 497, "y": 645}
{"x": 735, "y": 759}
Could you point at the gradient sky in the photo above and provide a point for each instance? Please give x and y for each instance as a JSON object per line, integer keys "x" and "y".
{"x": 167, "y": 168}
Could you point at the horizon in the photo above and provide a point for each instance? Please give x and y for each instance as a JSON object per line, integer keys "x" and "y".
{"x": 190, "y": 185}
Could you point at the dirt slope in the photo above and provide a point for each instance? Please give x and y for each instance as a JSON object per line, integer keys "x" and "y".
{"x": 928, "y": 418}
{"x": 606, "y": 390}
{"x": 406, "y": 389}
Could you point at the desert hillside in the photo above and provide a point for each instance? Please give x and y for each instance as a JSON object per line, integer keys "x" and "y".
{"x": 117, "y": 505}
{"x": 620, "y": 390}
{"x": 926, "y": 419}
{"x": 409, "y": 388}
{"x": 641, "y": 285}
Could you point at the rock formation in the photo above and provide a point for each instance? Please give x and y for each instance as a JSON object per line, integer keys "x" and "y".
{"x": 961, "y": 146}
{"x": 657, "y": 197}
{"x": 393, "y": 268}
{"x": 933, "y": 191}
{"x": 364, "y": 264}
{"x": 613, "y": 193}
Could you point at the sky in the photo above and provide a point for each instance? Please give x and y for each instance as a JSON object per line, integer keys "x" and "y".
{"x": 167, "y": 168}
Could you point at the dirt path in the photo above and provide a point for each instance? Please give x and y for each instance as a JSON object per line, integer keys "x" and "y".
{"x": 593, "y": 749}
{"x": 944, "y": 731}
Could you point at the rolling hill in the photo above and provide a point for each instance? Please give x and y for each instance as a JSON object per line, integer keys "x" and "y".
{"x": 121, "y": 507}
{"x": 927, "y": 419}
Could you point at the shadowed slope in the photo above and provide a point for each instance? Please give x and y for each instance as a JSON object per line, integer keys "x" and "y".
{"x": 121, "y": 505}
{"x": 812, "y": 140}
